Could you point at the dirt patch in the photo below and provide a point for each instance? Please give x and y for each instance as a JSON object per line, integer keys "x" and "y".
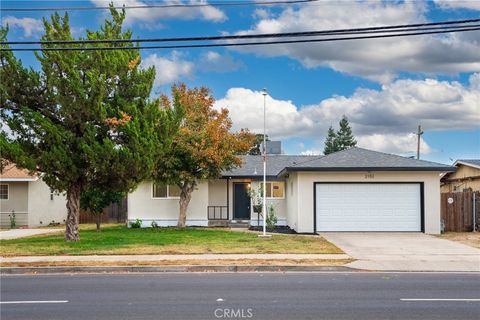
{"x": 219, "y": 262}
{"x": 469, "y": 238}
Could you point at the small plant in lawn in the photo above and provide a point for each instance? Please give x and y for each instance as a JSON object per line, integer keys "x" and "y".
{"x": 13, "y": 220}
{"x": 154, "y": 224}
{"x": 271, "y": 217}
{"x": 136, "y": 224}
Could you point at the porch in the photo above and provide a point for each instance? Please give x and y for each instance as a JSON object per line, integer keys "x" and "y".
{"x": 229, "y": 204}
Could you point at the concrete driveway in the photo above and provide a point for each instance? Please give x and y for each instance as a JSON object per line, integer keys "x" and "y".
{"x": 398, "y": 251}
{"x": 22, "y": 233}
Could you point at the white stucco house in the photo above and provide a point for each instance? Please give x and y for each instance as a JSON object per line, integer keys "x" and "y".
{"x": 351, "y": 190}
{"x": 30, "y": 198}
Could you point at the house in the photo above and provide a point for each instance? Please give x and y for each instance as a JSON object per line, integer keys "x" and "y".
{"x": 467, "y": 177}
{"x": 30, "y": 198}
{"x": 351, "y": 190}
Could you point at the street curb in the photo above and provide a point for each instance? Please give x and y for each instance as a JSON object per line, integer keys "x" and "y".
{"x": 160, "y": 269}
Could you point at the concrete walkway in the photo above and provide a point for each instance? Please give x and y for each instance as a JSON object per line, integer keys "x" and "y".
{"x": 21, "y": 233}
{"x": 109, "y": 258}
{"x": 405, "y": 251}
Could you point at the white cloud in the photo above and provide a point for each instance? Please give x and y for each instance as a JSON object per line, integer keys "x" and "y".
{"x": 311, "y": 152}
{"x": 393, "y": 143}
{"x": 169, "y": 68}
{"x": 215, "y": 62}
{"x": 153, "y": 18}
{"x": 376, "y": 59}
{"x": 381, "y": 119}
{"x": 30, "y": 26}
{"x": 458, "y": 4}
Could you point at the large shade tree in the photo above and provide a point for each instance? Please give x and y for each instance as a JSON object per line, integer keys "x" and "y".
{"x": 204, "y": 145}
{"x": 83, "y": 118}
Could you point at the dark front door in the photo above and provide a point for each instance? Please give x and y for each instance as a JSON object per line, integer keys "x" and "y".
{"x": 241, "y": 201}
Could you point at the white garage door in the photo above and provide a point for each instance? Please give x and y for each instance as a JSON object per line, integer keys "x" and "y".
{"x": 368, "y": 207}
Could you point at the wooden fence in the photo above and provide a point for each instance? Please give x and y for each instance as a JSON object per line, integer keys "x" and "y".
{"x": 457, "y": 211}
{"x": 115, "y": 213}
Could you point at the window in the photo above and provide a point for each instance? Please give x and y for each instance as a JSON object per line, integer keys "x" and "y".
{"x": 165, "y": 191}
{"x": 275, "y": 190}
{"x": 3, "y": 191}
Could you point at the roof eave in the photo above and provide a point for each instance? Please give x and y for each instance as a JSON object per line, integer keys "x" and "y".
{"x": 247, "y": 176}
{"x": 468, "y": 164}
{"x": 351, "y": 169}
{"x": 18, "y": 179}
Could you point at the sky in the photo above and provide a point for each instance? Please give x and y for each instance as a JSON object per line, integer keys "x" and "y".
{"x": 386, "y": 87}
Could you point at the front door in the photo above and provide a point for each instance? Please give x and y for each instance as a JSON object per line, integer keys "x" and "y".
{"x": 241, "y": 201}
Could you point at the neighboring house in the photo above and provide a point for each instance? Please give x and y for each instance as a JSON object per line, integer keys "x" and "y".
{"x": 350, "y": 190}
{"x": 31, "y": 199}
{"x": 467, "y": 177}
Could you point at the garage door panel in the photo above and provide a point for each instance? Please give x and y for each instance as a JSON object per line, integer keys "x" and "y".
{"x": 368, "y": 207}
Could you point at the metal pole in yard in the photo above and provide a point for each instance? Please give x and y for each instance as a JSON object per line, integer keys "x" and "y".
{"x": 264, "y": 207}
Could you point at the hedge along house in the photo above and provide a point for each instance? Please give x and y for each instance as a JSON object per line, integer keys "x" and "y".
{"x": 30, "y": 198}
{"x": 351, "y": 190}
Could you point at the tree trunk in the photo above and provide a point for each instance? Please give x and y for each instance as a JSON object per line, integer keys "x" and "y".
{"x": 73, "y": 212}
{"x": 98, "y": 220}
{"x": 185, "y": 197}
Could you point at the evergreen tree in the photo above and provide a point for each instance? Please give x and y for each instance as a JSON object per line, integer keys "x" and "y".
{"x": 330, "y": 142}
{"x": 256, "y": 150}
{"x": 84, "y": 118}
{"x": 345, "y": 138}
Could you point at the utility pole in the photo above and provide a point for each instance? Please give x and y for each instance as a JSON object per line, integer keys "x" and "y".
{"x": 419, "y": 134}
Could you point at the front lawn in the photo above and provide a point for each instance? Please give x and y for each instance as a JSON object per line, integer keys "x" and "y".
{"x": 118, "y": 239}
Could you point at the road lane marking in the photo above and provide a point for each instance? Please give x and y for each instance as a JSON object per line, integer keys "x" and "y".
{"x": 33, "y": 301}
{"x": 440, "y": 299}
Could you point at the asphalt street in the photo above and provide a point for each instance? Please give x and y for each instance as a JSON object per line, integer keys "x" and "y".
{"x": 241, "y": 296}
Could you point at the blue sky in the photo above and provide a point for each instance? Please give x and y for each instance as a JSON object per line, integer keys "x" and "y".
{"x": 385, "y": 87}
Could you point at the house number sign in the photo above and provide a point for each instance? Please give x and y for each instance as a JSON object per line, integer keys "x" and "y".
{"x": 450, "y": 200}
{"x": 369, "y": 176}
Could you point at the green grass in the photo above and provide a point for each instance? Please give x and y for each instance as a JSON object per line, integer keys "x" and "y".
{"x": 118, "y": 239}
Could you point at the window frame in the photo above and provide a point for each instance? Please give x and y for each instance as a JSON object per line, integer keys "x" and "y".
{"x": 271, "y": 189}
{"x": 168, "y": 197}
{"x": 8, "y": 191}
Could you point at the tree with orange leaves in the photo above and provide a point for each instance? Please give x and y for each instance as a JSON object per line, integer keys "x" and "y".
{"x": 203, "y": 147}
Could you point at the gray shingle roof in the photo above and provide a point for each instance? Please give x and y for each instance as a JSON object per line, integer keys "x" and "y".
{"x": 475, "y": 162}
{"x": 362, "y": 159}
{"x": 253, "y": 165}
{"x": 353, "y": 159}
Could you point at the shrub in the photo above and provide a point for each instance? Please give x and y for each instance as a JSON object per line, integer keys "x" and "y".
{"x": 154, "y": 224}
{"x": 271, "y": 217}
{"x": 136, "y": 224}
{"x": 13, "y": 220}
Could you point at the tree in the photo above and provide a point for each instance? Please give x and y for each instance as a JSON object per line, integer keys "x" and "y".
{"x": 340, "y": 140}
{"x": 330, "y": 142}
{"x": 256, "y": 150}
{"x": 203, "y": 146}
{"x": 345, "y": 138}
{"x": 84, "y": 118}
{"x": 95, "y": 201}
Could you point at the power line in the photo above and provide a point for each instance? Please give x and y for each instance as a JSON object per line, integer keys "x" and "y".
{"x": 238, "y": 44}
{"x": 170, "y": 5}
{"x": 382, "y": 29}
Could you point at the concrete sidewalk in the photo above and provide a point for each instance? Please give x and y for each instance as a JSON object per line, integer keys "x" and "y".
{"x": 22, "y": 233}
{"x": 172, "y": 257}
